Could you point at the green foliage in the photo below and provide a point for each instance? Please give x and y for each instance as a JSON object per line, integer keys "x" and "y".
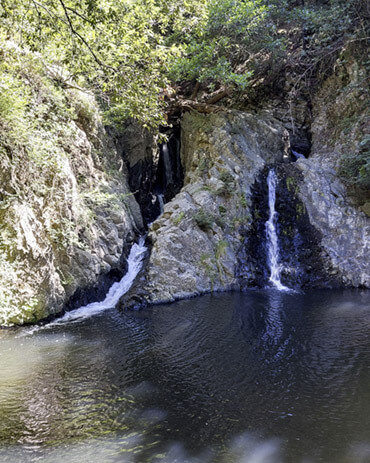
{"x": 226, "y": 177}
{"x": 354, "y": 168}
{"x": 300, "y": 209}
{"x": 117, "y": 48}
{"x": 243, "y": 200}
{"x": 31, "y": 108}
{"x": 220, "y": 249}
{"x": 204, "y": 219}
{"x": 222, "y": 210}
{"x": 236, "y": 44}
{"x": 207, "y": 261}
{"x": 178, "y": 219}
{"x": 292, "y": 186}
{"x": 129, "y": 53}
{"x": 212, "y": 50}
{"x": 228, "y": 183}
{"x": 204, "y": 164}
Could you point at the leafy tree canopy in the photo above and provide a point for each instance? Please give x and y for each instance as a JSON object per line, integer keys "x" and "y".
{"x": 115, "y": 47}
{"x": 129, "y": 52}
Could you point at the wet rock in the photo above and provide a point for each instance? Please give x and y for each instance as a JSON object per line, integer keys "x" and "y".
{"x": 345, "y": 230}
{"x": 196, "y": 242}
{"x": 139, "y": 151}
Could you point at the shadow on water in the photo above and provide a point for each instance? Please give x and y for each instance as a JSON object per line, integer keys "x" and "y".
{"x": 257, "y": 377}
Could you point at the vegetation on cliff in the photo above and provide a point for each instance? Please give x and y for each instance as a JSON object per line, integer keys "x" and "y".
{"x": 149, "y": 60}
{"x": 137, "y": 55}
{"x": 58, "y": 178}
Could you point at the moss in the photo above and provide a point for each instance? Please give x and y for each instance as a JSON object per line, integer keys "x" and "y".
{"x": 228, "y": 183}
{"x": 291, "y": 184}
{"x": 204, "y": 163}
{"x": 300, "y": 210}
{"x": 222, "y": 210}
{"x": 204, "y": 219}
{"x": 209, "y": 266}
{"x": 243, "y": 200}
{"x": 178, "y": 218}
{"x": 354, "y": 169}
{"x": 220, "y": 248}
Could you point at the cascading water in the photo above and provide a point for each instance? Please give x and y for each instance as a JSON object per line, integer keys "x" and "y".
{"x": 161, "y": 203}
{"x": 167, "y": 164}
{"x": 116, "y": 291}
{"x": 271, "y": 235}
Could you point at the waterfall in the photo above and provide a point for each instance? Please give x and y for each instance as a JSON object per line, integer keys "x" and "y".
{"x": 271, "y": 236}
{"x": 116, "y": 291}
{"x": 161, "y": 203}
{"x": 167, "y": 164}
{"x": 297, "y": 155}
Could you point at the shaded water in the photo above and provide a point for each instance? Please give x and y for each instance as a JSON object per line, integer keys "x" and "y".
{"x": 259, "y": 377}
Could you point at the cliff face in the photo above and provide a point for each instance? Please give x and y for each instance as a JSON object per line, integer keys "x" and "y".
{"x": 211, "y": 236}
{"x": 68, "y": 217}
{"x": 66, "y": 214}
{"x": 336, "y": 205}
{"x": 197, "y": 240}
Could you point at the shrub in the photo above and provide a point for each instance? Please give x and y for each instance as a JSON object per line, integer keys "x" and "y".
{"x": 354, "y": 169}
{"x": 204, "y": 220}
{"x": 228, "y": 181}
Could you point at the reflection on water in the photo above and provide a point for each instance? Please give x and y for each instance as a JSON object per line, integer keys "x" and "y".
{"x": 260, "y": 377}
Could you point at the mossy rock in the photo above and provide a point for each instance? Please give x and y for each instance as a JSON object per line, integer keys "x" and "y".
{"x": 366, "y": 208}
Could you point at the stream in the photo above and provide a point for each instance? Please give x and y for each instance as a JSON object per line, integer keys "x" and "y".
{"x": 256, "y": 377}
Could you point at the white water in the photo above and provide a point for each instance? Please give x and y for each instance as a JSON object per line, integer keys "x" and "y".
{"x": 272, "y": 239}
{"x": 161, "y": 203}
{"x": 167, "y": 164}
{"x": 116, "y": 291}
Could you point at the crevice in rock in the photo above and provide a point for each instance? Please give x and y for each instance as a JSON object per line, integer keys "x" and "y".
{"x": 297, "y": 120}
{"x": 301, "y": 252}
{"x": 154, "y": 172}
{"x": 252, "y": 268}
{"x": 299, "y": 242}
{"x": 300, "y": 138}
{"x": 169, "y": 176}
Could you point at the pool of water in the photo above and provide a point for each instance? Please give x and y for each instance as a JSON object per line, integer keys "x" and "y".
{"x": 257, "y": 377}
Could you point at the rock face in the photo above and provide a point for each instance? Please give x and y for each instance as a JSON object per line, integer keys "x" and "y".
{"x": 195, "y": 243}
{"x": 345, "y": 231}
{"x": 211, "y": 236}
{"x": 67, "y": 216}
{"x": 340, "y": 124}
{"x": 139, "y": 151}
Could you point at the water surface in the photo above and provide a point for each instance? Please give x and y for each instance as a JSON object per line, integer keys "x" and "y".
{"x": 259, "y": 377}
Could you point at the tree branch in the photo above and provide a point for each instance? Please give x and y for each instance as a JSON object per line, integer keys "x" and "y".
{"x": 83, "y": 40}
{"x": 217, "y": 96}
